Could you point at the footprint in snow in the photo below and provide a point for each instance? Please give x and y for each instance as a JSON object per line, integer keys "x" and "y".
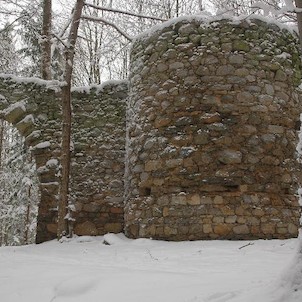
{"x": 221, "y": 297}
{"x": 74, "y": 286}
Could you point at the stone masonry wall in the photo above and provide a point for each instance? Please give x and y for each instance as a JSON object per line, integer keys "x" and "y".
{"x": 213, "y": 118}
{"x": 33, "y": 107}
{"x": 98, "y": 163}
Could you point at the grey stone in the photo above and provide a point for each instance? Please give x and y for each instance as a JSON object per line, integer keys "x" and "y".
{"x": 225, "y": 70}
{"x": 176, "y": 65}
{"x": 230, "y": 157}
{"x": 236, "y": 59}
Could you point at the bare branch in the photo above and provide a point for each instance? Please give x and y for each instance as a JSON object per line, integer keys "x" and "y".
{"x": 250, "y": 243}
{"x": 59, "y": 39}
{"x": 8, "y": 26}
{"x": 106, "y": 22}
{"x": 118, "y": 11}
{"x": 11, "y": 24}
{"x": 65, "y": 27}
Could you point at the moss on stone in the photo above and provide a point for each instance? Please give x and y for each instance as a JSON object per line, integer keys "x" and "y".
{"x": 240, "y": 45}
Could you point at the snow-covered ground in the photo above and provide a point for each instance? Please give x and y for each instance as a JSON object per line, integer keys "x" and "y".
{"x": 85, "y": 269}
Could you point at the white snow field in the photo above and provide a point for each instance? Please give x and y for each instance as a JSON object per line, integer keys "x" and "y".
{"x": 84, "y": 269}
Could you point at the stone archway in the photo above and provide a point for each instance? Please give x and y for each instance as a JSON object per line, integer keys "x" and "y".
{"x": 97, "y": 168}
{"x": 33, "y": 108}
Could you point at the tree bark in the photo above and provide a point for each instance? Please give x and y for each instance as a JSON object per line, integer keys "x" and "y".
{"x": 200, "y": 4}
{"x": 1, "y": 148}
{"x": 66, "y": 120}
{"x": 27, "y": 215}
{"x": 299, "y": 20}
{"x": 46, "y": 41}
{"x": 1, "y": 141}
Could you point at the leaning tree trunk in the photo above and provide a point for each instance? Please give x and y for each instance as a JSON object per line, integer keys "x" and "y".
{"x": 66, "y": 120}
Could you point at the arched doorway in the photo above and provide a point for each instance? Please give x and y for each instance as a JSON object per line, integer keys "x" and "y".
{"x": 33, "y": 109}
{"x": 33, "y": 106}
{"x": 19, "y": 189}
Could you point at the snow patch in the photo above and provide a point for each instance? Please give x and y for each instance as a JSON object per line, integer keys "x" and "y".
{"x": 98, "y": 88}
{"x": 28, "y": 119}
{"x": 52, "y": 163}
{"x": 50, "y": 183}
{"x": 34, "y": 134}
{"x": 300, "y": 196}
{"x": 42, "y": 169}
{"x": 53, "y": 85}
{"x": 14, "y": 106}
{"x": 74, "y": 286}
{"x": 115, "y": 239}
{"x": 85, "y": 239}
{"x": 3, "y": 100}
{"x": 284, "y": 55}
{"x": 42, "y": 145}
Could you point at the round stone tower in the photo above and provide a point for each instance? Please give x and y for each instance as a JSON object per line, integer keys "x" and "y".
{"x": 213, "y": 118}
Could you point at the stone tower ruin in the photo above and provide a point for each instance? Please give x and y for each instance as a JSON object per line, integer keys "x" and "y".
{"x": 213, "y": 116}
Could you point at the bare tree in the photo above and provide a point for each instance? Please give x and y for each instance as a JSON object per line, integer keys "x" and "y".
{"x": 46, "y": 40}
{"x": 66, "y": 120}
{"x": 299, "y": 19}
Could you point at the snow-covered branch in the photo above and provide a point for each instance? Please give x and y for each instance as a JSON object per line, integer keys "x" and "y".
{"x": 118, "y": 11}
{"x": 106, "y": 22}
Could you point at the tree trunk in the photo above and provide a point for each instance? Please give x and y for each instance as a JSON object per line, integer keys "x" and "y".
{"x": 46, "y": 41}
{"x": 1, "y": 142}
{"x": 1, "y": 147}
{"x": 66, "y": 120}
{"x": 200, "y": 5}
{"x": 299, "y": 20}
{"x": 27, "y": 216}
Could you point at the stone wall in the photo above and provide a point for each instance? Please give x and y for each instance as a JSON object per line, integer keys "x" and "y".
{"x": 98, "y": 163}
{"x": 33, "y": 107}
{"x": 212, "y": 134}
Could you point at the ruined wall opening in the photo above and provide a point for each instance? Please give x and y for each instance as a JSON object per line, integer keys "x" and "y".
{"x": 19, "y": 189}
{"x": 32, "y": 107}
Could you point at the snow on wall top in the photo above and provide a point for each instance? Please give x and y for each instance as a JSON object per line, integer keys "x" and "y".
{"x": 53, "y": 84}
{"x": 207, "y": 20}
{"x": 56, "y": 85}
{"x": 98, "y": 88}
